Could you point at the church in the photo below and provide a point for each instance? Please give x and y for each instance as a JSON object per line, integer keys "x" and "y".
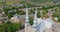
{"x": 42, "y": 24}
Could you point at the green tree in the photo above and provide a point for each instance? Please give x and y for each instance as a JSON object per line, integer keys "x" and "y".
{"x": 38, "y": 14}
{"x": 31, "y": 20}
{"x": 22, "y": 13}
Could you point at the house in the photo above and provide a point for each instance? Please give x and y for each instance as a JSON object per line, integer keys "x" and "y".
{"x": 3, "y": 19}
{"x": 18, "y": 18}
{"x": 17, "y": 4}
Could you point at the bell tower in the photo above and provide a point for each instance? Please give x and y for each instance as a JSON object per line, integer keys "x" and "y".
{"x": 28, "y": 27}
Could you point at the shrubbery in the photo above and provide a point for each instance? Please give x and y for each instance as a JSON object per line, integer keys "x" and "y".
{"x": 38, "y": 14}
{"x": 31, "y": 20}
{"x": 10, "y": 27}
{"x": 57, "y": 15}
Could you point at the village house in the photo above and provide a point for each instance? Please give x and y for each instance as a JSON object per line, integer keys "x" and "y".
{"x": 18, "y": 18}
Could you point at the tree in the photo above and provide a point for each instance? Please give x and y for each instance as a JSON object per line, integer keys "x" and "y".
{"x": 38, "y": 14}
{"x": 12, "y": 27}
{"x": 22, "y": 13}
{"x": 57, "y": 15}
{"x": 31, "y": 20}
{"x": 6, "y": 9}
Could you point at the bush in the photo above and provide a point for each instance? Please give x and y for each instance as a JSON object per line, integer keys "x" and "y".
{"x": 22, "y": 13}
{"x": 1, "y": 28}
{"x": 15, "y": 7}
{"x": 59, "y": 19}
{"x": 30, "y": 12}
{"x": 38, "y": 14}
{"x": 16, "y": 26}
{"x": 10, "y": 27}
{"x": 10, "y": 14}
{"x": 57, "y": 15}
{"x": 6, "y": 9}
{"x": 31, "y": 20}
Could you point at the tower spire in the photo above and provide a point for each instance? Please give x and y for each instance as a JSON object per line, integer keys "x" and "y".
{"x": 27, "y": 20}
{"x": 35, "y": 19}
{"x": 27, "y": 17}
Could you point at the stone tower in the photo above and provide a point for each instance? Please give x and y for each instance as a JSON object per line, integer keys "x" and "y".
{"x": 28, "y": 27}
{"x": 35, "y": 22}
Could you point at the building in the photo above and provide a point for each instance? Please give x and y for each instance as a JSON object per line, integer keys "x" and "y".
{"x": 18, "y": 18}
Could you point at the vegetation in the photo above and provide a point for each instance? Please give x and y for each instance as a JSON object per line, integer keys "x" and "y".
{"x": 31, "y": 20}
{"x": 38, "y": 14}
{"x": 22, "y": 13}
{"x": 13, "y": 27}
{"x": 12, "y": 1}
{"x": 10, "y": 27}
{"x": 10, "y": 14}
{"x": 57, "y": 15}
